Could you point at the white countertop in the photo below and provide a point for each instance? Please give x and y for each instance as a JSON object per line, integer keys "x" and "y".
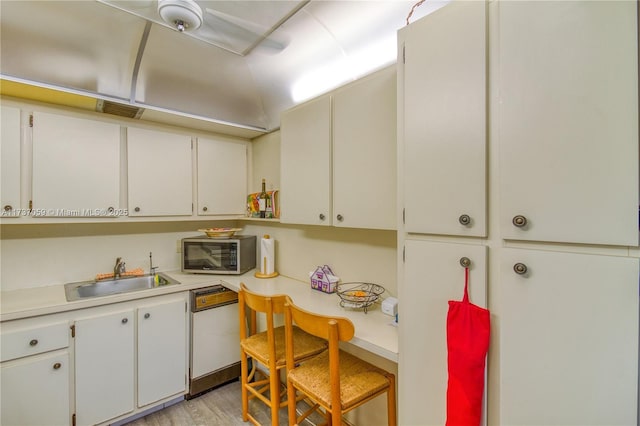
{"x": 374, "y": 331}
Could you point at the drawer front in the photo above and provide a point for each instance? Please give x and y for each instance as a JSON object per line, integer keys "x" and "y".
{"x": 31, "y": 341}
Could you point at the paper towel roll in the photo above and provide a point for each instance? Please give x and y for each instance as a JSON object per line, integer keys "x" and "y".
{"x": 267, "y": 256}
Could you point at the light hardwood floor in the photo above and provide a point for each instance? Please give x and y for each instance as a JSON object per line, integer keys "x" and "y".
{"x": 221, "y": 406}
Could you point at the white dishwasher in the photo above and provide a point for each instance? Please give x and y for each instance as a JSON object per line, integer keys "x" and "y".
{"x": 215, "y": 339}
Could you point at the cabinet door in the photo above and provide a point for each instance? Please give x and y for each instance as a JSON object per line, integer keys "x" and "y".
{"x": 67, "y": 151}
{"x": 568, "y": 121}
{"x": 10, "y": 161}
{"x": 159, "y": 169}
{"x": 364, "y": 153}
{"x": 444, "y": 121}
{"x": 305, "y": 163}
{"x": 104, "y": 362}
{"x": 162, "y": 351}
{"x": 432, "y": 276}
{"x": 568, "y": 339}
{"x": 222, "y": 177}
{"x": 35, "y": 390}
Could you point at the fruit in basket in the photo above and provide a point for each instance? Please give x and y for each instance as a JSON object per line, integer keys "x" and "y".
{"x": 357, "y": 293}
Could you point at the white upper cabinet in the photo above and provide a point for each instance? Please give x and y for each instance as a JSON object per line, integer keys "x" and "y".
{"x": 159, "y": 173}
{"x": 338, "y": 157}
{"x": 305, "y": 163}
{"x": 10, "y": 160}
{"x": 222, "y": 177}
{"x": 364, "y": 153}
{"x": 443, "y": 86}
{"x": 76, "y": 166}
{"x": 568, "y": 121}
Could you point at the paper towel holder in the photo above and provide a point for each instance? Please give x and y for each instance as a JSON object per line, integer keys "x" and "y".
{"x": 258, "y": 274}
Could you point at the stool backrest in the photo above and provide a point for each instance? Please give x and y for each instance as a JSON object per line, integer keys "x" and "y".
{"x": 269, "y": 305}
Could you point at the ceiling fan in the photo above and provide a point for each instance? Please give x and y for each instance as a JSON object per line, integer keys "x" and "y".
{"x": 236, "y": 26}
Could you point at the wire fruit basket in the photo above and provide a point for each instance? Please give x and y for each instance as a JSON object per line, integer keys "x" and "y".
{"x": 358, "y": 294}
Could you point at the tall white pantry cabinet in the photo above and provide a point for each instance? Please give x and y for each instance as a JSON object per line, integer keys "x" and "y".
{"x": 518, "y": 150}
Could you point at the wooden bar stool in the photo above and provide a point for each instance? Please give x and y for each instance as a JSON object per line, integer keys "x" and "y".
{"x": 268, "y": 348}
{"x": 335, "y": 381}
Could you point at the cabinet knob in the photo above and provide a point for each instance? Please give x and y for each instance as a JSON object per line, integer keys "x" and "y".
{"x": 340, "y": 218}
{"x": 125, "y": 320}
{"x": 8, "y": 208}
{"x": 465, "y": 262}
{"x": 57, "y": 366}
{"x": 33, "y": 342}
{"x": 147, "y": 315}
{"x": 520, "y": 268}
{"x": 321, "y": 216}
{"x": 464, "y": 219}
{"x": 137, "y": 209}
{"x": 519, "y": 221}
{"x": 204, "y": 209}
{"x": 111, "y": 210}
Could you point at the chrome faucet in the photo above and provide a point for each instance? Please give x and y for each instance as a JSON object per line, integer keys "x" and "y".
{"x": 152, "y": 269}
{"x": 119, "y": 269}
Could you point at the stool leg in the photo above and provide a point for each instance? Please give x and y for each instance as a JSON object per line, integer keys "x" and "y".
{"x": 274, "y": 394}
{"x": 391, "y": 400}
{"x": 244, "y": 372}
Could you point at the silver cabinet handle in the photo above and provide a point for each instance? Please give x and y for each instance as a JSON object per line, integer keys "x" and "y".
{"x": 33, "y": 342}
{"x": 57, "y": 366}
{"x": 464, "y": 219}
{"x": 340, "y": 218}
{"x": 465, "y": 262}
{"x": 519, "y": 221}
{"x": 125, "y": 320}
{"x": 8, "y": 208}
{"x": 147, "y": 315}
{"x": 204, "y": 209}
{"x": 321, "y": 216}
{"x": 520, "y": 268}
{"x": 111, "y": 210}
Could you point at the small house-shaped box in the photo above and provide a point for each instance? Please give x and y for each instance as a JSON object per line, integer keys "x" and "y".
{"x": 323, "y": 279}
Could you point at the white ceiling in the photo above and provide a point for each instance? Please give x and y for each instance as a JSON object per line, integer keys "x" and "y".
{"x": 90, "y": 47}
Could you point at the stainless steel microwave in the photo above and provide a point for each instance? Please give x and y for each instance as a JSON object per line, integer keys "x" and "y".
{"x": 233, "y": 255}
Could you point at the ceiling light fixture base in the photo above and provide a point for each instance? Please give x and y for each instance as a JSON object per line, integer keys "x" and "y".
{"x": 183, "y": 15}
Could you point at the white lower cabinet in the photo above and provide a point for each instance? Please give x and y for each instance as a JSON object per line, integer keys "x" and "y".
{"x": 104, "y": 363}
{"x": 35, "y": 373}
{"x": 568, "y": 339}
{"x": 162, "y": 342}
{"x": 129, "y": 355}
{"x": 433, "y": 276}
{"x": 35, "y": 391}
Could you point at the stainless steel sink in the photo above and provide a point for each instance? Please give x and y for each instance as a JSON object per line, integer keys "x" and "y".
{"x": 88, "y": 289}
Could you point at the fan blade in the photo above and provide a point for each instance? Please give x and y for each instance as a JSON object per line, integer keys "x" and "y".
{"x": 147, "y": 9}
{"x": 241, "y": 29}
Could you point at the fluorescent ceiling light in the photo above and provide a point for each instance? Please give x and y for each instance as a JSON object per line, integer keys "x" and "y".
{"x": 348, "y": 68}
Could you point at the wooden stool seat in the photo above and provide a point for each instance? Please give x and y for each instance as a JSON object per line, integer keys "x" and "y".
{"x": 258, "y": 346}
{"x": 358, "y": 379}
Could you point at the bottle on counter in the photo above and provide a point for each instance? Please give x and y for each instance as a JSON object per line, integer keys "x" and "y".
{"x": 262, "y": 202}
{"x": 269, "y": 209}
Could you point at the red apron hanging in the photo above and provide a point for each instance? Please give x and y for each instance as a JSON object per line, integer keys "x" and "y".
{"x": 467, "y": 344}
